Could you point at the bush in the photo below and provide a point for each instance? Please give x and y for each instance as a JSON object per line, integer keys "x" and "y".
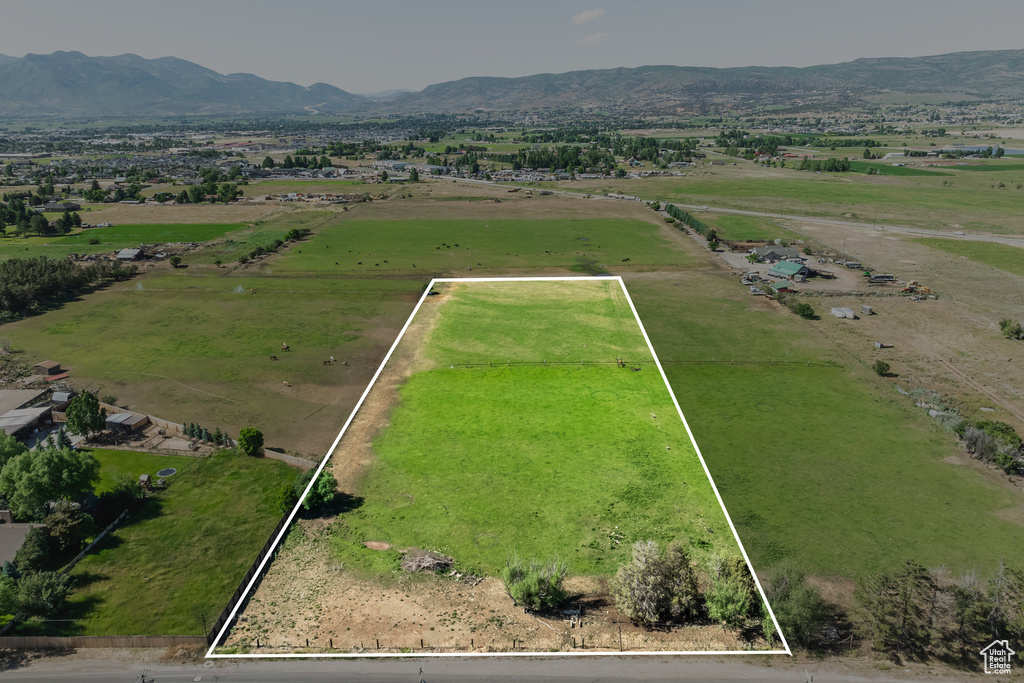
{"x": 250, "y": 440}
{"x": 535, "y": 585}
{"x": 881, "y": 368}
{"x": 805, "y": 311}
{"x": 286, "y": 498}
{"x": 322, "y": 492}
{"x": 798, "y": 606}
{"x": 655, "y": 587}
{"x": 175, "y": 261}
{"x": 1011, "y": 329}
{"x": 733, "y": 595}
{"x": 43, "y": 593}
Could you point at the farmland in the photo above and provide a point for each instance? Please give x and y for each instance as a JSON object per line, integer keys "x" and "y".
{"x": 622, "y": 460}
{"x": 558, "y": 459}
{"x": 1001, "y": 256}
{"x": 172, "y": 565}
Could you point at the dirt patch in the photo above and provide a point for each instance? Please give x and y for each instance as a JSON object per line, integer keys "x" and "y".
{"x": 377, "y": 545}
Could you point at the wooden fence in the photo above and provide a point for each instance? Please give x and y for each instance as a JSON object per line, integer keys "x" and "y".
{"x": 47, "y": 642}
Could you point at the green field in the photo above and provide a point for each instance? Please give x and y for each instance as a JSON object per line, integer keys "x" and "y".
{"x": 177, "y": 561}
{"x": 573, "y": 461}
{"x": 1001, "y": 256}
{"x": 112, "y": 238}
{"x": 346, "y": 245}
{"x": 741, "y": 228}
{"x": 972, "y": 201}
{"x": 826, "y": 467}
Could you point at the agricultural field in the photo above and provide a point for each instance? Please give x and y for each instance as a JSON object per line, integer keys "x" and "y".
{"x": 463, "y": 450}
{"x": 169, "y": 568}
{"x": 1001, "y": 256}
{"x": 980, "y": 201}
{"x": 742, "y": 228}
{"x": 820, "y": 462}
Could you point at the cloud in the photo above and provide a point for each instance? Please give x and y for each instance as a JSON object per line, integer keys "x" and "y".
{"x": 588, "y": 15}
{"x": 593, "y": 38}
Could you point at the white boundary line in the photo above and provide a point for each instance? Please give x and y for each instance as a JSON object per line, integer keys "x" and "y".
{"x": 277, "y": 541}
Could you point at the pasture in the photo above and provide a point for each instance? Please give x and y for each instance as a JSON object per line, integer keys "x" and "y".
{"x": 349, "y": 244}
{"x": 175, "y": 563}
{"x": 825, "y": 467}
{"x": 1002, "y": 256}
{"x": 741, "y": 228}
{"x": 569, "y": 461}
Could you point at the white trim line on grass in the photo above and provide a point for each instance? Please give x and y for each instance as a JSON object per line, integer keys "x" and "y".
{"x": 277, "y": 541}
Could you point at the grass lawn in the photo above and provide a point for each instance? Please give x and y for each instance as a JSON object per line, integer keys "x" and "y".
{"x": 1001, "y": 256}
{"x": 828, "y": 467}
{"x": 571, "y": 461}
{"x": 116, "y": 463}
{"x": 180, "y": 559}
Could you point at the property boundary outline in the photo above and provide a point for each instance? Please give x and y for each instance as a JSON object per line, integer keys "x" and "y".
{"x": 210, "y": 654}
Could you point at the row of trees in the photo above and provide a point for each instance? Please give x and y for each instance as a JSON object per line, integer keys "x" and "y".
{"x": 32, "y": 285}
{"x": 914, "y": 611}
{"x": 217, "y": 438}
{"x": 292, "y": 235}
{"x": 832, "y": 165}
{"x": 694, "y": 223}
{"x": 994, "y": 442}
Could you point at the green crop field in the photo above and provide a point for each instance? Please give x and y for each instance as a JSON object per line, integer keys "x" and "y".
{"x": 347, "y": 244}
{"x": 176, "y": 562}
{"x": 570, "y": 461}
{"x": 1001, "y": 256}
{"x": 826, "y": 467}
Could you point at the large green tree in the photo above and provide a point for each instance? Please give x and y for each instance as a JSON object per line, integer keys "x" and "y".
{"x": 84, "y": 415}
{"x": 32, "y": 479}
{"x": 250, "y": 440}
{"x": 9, "y": 447}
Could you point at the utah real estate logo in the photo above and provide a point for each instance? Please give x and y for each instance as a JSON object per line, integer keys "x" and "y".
{"x": 997, "y": 656}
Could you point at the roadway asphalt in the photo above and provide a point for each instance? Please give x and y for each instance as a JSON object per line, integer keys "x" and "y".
{"x": 654, "y": 669}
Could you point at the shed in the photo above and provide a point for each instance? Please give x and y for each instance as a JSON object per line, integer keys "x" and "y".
{"x": 127, "y": 421}
{"x": 866, "y": 310}
{"x": 14, "y": 422}
{"x": 48, "y": 367}
{"x": 129, "y": 254}
{"x": 843, "y": 312}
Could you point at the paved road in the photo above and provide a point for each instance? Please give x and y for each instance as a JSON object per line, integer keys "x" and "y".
{"x": 534, "y": 670}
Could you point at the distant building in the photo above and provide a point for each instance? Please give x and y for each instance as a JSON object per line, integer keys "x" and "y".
{"x": 788, "y": 270}
{"x": 130, "y": 254}
{"x": 61, "y": 206}
{"x": 775, "y": 253}
{"x": 48, "y": 367}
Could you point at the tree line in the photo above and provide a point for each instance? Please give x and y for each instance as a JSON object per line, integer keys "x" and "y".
{"x": 34, "y": 285}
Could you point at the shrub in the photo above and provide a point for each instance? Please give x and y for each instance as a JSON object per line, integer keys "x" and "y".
{"x": 37, "y": 553}
{"x": 656, "y": 587}
{"x": 1011, "y": 329}
{"x": 881, "y": 368}
{"x": 42, "y": 593}
{"x": 798, "y": 606}
{"x": 286, "y": 498}
{"x": 322, "y": 493}
{"x": 733, "y": 596}
{"x": 535, "y": 585}
{"x": 175, "y": 261}
{"x": 250, "y": 440}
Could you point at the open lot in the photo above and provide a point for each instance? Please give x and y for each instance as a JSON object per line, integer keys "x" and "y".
{"x": 481, "y": 462}
{"x": 170, "y": 568}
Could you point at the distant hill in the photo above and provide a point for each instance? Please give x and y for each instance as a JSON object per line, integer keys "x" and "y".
{"x": 664, "y": 88}
{"x": 70, "y": 83}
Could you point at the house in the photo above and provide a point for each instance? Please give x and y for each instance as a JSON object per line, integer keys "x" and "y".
{"x": 62, "y": 206}
{"x": 788, "y": 270}
{"x": 775, "y": 253}
{"x": 781, "y": 287}
{"x": 130, "y": 255}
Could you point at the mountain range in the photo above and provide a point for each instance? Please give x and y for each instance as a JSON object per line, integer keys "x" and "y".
{"x": 73, "y": 84}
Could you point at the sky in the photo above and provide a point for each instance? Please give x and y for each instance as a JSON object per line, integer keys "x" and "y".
{"x": 376, "y": 45}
